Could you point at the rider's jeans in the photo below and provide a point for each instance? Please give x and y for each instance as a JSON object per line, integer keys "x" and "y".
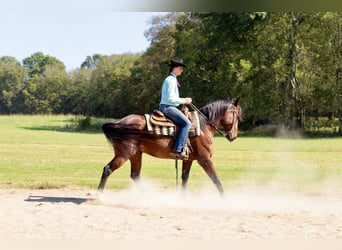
{"x": 180, "y": 119}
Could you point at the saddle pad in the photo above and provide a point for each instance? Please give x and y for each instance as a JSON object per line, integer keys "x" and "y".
{"x": 195, "y": 129}
{"x": 158, "y": 130}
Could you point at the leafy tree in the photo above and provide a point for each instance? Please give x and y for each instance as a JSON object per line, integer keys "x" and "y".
{"x": 216, "y": 46}
{"x": 332, "y": 27}
{"x": 37, "y": 63}
{"x": 91, "y": 61}
{"x": 45, "y": 89}
{"x": 9, "y": 60}
{"x": 77, "y": 98}
{"x": 286, "y": 51}
{"x": 109, "y": 81}
{"x": 12, "y": 76}
{"x": 151, "y": 68}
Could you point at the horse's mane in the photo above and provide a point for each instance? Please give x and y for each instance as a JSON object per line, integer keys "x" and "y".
{"x": 214, "y": 109}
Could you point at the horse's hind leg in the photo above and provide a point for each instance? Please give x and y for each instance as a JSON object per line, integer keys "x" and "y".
{"x": 136, "y": 166}
{"x": 185, "y": 173}
{"x": 110, "y": 168}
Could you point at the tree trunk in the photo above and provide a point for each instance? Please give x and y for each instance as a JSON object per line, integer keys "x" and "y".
{"x": 295, "y": 114}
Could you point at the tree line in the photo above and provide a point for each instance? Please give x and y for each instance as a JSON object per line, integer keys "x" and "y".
{"x": 285, "y": 67}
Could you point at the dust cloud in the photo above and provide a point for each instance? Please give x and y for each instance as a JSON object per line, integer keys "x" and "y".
{"x": 150, "y": 195}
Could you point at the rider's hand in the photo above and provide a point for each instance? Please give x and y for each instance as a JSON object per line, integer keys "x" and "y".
{"x": 187, "y": 100}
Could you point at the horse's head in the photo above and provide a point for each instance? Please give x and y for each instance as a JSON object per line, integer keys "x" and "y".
{"x": 230, "y": 120}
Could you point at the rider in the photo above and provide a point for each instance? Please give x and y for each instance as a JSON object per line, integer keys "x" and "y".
{"x": 170, "y": 100}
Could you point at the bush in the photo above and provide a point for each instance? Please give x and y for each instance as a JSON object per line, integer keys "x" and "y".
{"x": 321, "y": 126}
{"x": 86, "y": 123}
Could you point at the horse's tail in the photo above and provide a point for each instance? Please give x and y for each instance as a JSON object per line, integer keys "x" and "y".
{"x": 108, "y": 129}
{"x": 115, "y": 131}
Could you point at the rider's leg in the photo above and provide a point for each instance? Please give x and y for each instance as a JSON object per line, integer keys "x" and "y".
{"x": 184, "y": 126}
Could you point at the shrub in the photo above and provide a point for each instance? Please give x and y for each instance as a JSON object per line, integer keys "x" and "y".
{"x": 86, "y": 123}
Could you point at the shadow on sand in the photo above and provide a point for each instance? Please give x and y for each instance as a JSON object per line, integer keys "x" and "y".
{"x": 53, "y": 199}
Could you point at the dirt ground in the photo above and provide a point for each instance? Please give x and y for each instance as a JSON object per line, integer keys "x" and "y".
{"x": 154, "y": 213}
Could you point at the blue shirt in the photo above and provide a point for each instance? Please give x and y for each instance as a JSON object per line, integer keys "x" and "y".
{"x": 170, "y": 93}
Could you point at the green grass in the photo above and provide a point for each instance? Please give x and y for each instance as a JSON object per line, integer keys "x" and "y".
{"x": 42, "y": 152}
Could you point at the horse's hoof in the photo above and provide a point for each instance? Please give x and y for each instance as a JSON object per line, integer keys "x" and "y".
{"x": 100, "y": 195}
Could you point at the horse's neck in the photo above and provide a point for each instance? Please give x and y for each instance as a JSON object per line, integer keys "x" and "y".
{"x": 212, "y": 125}
{"x": 207, "y": 135}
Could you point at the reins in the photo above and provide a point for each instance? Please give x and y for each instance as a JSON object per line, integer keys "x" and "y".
{"x": 206, "y": 118}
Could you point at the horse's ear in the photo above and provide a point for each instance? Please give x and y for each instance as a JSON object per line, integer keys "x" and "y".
{"x": 237, "y": 102}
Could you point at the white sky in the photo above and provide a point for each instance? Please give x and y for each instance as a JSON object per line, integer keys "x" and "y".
{"x": 69, "y": 30}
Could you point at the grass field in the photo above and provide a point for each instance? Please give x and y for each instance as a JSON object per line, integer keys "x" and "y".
{"x": 41, "y": 152}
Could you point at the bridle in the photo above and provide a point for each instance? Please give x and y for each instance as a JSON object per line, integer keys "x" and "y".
{"x": 234, "y": 109}
{"x": 224, "y": 133}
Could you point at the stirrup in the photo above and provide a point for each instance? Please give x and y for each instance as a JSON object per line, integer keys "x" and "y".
{"x": 180, "y": 155}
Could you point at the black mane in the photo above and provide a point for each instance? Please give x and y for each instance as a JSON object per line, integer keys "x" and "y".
{"x": 214, "y": 109}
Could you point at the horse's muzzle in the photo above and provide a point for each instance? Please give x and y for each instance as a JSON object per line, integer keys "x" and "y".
{"x": 230, "y": 137}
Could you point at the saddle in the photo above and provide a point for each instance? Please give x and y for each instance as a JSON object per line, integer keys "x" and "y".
{"x": 159, "y": 124}
{"x": 159, "y": 119}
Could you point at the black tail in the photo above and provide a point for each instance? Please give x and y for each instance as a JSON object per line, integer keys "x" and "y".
{"x": 116, "y": 131}
{"x": 108, "y": 129}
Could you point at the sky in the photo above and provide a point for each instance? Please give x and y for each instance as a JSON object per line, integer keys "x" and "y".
{"x": 70, "y": 30}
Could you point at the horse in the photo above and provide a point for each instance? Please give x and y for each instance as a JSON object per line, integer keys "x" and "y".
{"x": 130, "y": 139}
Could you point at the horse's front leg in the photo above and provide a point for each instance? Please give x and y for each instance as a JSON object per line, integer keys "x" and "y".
{"x": 208, "y": 167}
{"x": 186, "y": 166}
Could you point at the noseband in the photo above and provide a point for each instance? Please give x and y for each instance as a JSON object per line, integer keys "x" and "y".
{"x": 229, "y": 134}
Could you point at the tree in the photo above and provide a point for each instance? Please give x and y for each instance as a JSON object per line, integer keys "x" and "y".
{"x": 334, "y": 25}
{"x": 151, "y": 68}
{"x": 109, "y": 92}
{"x": 91, "y": 61}
{"x": 12, "y": 76}
{"x": 284, "y": 55}
{"x": 9, "y": 60}
{"x": 216, "y": 48}
{"x": 37, "y": 63}
{"x": 45, "y": 88}
{"x": 77, "y": 98}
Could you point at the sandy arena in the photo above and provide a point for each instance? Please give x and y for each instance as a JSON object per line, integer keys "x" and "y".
{"x": 163, "y": 214}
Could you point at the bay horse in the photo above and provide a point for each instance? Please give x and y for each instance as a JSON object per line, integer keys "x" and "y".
{"x": 130, "y": 139}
